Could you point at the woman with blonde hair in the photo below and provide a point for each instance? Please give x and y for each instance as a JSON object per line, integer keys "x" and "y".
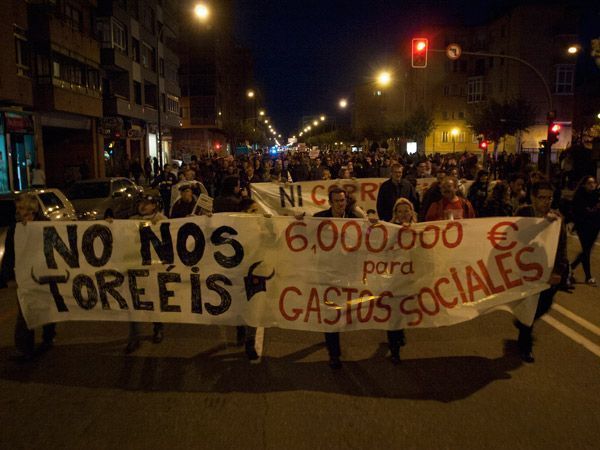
{"x": 404, "y": 212}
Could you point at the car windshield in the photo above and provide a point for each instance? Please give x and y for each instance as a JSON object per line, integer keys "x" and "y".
{"x": 51, "y": 200}
{"x": 100, "y": 189}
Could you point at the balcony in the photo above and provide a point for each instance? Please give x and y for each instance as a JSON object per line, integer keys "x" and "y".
{"x": 113, "y": 59}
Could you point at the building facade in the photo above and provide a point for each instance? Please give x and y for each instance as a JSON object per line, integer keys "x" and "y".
{"x": 451, "y": 90}
{"x": 17, "y": 131}
{"x": 216, "y": 75}
{"x": 141, "y": 89}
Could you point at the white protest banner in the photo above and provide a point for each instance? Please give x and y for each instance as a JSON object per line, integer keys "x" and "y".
{"x": 311, "y": 196}
{"x": 318, "y": 274}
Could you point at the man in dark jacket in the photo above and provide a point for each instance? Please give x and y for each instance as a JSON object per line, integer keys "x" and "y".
{"x": 338, "y": 199}
{"x": 185, "y": 205}
{"x": 541, "y": 199}
{"x": 391, "y": 190}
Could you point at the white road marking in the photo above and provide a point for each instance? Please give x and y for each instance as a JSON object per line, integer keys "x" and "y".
{"x": 575, "y": 318}
{"x": 570, "y": 333}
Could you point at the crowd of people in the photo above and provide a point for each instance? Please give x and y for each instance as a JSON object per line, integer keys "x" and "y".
{"x": 510, "y": 186}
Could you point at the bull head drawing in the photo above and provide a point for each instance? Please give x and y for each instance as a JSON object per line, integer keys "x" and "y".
{"x": 255, "y": 283}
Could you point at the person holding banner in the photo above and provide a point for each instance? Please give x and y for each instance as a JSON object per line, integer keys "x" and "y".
{"x": 148, "y": 209}
{"x": 393, "y": 189}
{"x": 27, "y": 210}
{"x": 404, "y": 215}
{"x": 185, "y": 205}
{"x": 541, "y": 200}
{"x": 338, "y": 201}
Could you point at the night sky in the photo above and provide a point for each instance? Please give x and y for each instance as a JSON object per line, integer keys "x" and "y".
{"x": 309, "y": 53}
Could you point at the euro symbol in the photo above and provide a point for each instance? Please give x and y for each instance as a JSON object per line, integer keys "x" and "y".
{"x": 495, "y": 236}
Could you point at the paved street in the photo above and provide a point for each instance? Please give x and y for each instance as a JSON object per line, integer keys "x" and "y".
{"x": 457, "y": 387}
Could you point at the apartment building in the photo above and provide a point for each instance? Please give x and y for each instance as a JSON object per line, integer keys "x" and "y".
{"x": 141, "y": 89}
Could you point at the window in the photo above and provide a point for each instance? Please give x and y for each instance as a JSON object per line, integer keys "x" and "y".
{"x": 93, "y": 80}
{"x": 461, "y": 115}
{"x": 148, "y": 57}
{"x": 72, "y": 16}
{"x": 148, "y": 19}
{"x": 119, "y": 36}
{"x": 474, "y": 90}
{"x": 445, "y": 115}
{"x": 21, "y": 52}
{"x": 564, "y": 79}
{"x": 172, "y": 104}
{"x": 135, "y": 50}
{"x": 461, "y": 136}
{"x": 161, "y": 67}
{"x": 150, "y": 94}
{"x": 43, "y": 69}
{"x": 446, "y": 91}
{"x": 137, "y": 92}
{"x": 445, "y": 135}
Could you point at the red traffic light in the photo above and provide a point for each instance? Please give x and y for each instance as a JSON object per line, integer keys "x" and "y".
{"x": 483, "y": 145}
{"x": 419, "y": 52}
{"x": 553, "y": 132}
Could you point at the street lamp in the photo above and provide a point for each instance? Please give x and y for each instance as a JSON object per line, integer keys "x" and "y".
{"x": 454, "y": 132}
{"x": 343, "y": 103}
{"x": 202, "y": 12}
{"x": 384, "y": 78}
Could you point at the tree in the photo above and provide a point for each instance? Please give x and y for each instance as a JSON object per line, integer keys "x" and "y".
{"x": 418, "y": 126}
{"x": 496, "y": 120}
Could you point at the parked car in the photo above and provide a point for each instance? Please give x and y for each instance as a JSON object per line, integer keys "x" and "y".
{"x": 53, "y": 204}
{"x": 105, "y": 197}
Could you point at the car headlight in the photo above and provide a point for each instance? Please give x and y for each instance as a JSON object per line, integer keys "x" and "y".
{"x": 88, "y": 215}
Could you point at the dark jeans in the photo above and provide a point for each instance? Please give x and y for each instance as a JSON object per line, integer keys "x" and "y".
{"x": 395, "y": 341}
{"x": 525, "y": 332}
{"x": 25, "y": 338}
{"x": 135, "y": 329}
{"x": 332, "y": 341}
{"x": 587, "y": 237}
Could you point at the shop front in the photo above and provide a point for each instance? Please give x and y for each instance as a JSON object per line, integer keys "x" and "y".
{"x": 17, "y": 150}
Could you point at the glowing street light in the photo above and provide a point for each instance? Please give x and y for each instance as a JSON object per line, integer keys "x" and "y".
{"x": 454, "y": 132}
{"x": 250, "y": 93}
{"x": 322, "y": 118}
{"x": 384, "y": 78}
{"x": 315, "y": 122}
{"x": 202, "y": 12}
{"x": 572, "y": 49}
{"x": 266, "y": 121}
{"x": 343, "y": 103}
{"x": 261, "y": 112}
